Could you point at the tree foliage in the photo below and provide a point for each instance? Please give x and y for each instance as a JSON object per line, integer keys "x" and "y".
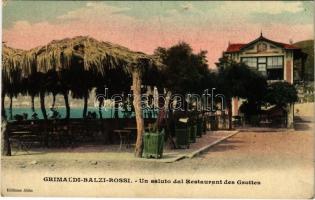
{"x": 185, "y": 71}
{"x": 238, "y": 80}
{"x": 281, "y": 93}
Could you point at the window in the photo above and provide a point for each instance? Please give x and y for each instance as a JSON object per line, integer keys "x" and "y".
{"x": 272, "y": 66}
{"x": 261, "y": 59}
{"x": 261, "y": 67}
{"x": 250, "y": 62}
{"x": 275, "y": 62}
{"x": 275, "y": 68}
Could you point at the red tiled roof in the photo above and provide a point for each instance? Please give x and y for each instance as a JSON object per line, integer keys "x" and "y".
{"x": 288, "y": 46}
{"x": 234, "y": 47}
{"x": 237, "y": 46}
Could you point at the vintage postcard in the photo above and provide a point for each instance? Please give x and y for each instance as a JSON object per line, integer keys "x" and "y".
{"x": 198, "y": 99}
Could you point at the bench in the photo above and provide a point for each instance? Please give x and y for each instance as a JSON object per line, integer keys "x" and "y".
{"x": 24, "y": 140}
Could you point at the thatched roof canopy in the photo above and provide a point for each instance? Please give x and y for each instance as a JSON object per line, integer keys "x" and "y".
{"x": 11, "y": 59}
{"x": 94, "y": 55}
{"x": 70, "y": 56}
{"x": 11, "y": 64}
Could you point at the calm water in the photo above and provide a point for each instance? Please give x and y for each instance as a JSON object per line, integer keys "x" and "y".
{"x": 74, "y": 112}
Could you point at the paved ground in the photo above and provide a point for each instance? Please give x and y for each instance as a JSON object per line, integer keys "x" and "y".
{"x": 281, "y": 161}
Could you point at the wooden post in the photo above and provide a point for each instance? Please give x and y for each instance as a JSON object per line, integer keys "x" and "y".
{"x": 10, "y": 108}
{"x": 65, "y": 96}
{"x": 3, "y": 113}
{"x": 290, "y": 115}
{"x": 5, "y": 147}
{"x": 42, "y": 104}
{"x": 54, "y": 100}
{"x": 85, "y": 104}
{"x": 116, "y": 105}
{"x": 100, "y": 104}
{"x": 136, "y": 85}
{"x": 229, "y": 107}
{"x": 33, "y": 103}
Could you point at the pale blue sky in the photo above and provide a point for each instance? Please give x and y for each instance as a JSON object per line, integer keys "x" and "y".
{"x": 36, "y": 11}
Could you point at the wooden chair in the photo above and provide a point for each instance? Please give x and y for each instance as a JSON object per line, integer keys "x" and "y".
{"x": 124, "y": 136}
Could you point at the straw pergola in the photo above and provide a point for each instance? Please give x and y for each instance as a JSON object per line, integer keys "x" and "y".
{"x": 92, "y": 59}
{"x": 11, "y": 74}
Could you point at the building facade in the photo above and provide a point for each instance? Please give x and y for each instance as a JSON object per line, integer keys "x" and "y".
{"x": 275, "y": 60}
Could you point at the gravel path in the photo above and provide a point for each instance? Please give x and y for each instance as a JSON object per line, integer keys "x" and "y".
{"x": 245, "y": 149}
{"x": 281, "y": 161}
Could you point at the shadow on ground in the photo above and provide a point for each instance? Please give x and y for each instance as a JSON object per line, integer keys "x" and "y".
{"x": 302, "y": 127}
{"x": 228, "y": 145}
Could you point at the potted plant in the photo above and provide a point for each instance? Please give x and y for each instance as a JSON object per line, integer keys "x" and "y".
{"x": 193, "y": 133}
{"x": 193, "y": 127}
{"x": 204, "y": 124}
{"x": 213, "y": 122}
{"x": 182, "y": 133}
{"x": 153, "y": 141}
{"x": 199, "y": 127}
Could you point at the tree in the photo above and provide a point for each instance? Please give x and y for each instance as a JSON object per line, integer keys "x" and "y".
{"x": 136, "y": 84}
{"x": 184, "y": 69}
{"x": 238, "y": 80}
{"x": 281, "y": 94}
{"x": 185, "y": 72}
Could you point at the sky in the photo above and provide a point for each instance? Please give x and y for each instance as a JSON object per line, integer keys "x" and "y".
{"x": 146, "y": 25}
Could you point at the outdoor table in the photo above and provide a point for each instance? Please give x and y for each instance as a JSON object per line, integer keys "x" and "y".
{"x": 131, "y": 128}
{"x": 17, "y": 136}
{"x": 124, "y": 135}
{"x": 20, "y": 132}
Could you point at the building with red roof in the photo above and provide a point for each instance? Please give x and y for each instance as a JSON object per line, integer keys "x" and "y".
{"x": 275, "y": 60}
